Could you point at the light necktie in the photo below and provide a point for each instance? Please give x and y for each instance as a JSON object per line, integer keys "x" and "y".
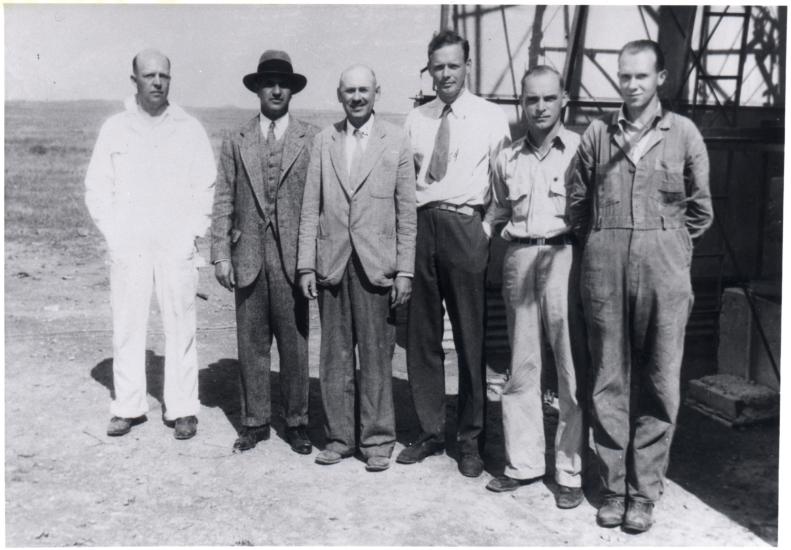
{"x": 270, "y": 135}
{"x": 357, "y": 155}
{"x": 439, "y": 158}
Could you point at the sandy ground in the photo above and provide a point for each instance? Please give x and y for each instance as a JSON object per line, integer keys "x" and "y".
{"x": 67, "y": 483}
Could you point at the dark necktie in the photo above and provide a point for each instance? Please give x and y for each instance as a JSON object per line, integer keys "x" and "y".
{"x": 439, "y": 158}
{"x": 270, "y": 136}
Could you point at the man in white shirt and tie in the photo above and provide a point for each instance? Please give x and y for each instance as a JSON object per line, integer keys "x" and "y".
{"x": 455, "y": 139}
{"x": 356, "y": 254}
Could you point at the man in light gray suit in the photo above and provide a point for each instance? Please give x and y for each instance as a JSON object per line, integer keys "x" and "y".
{"x": 357, "y": 243}
{"x": 254, "y": 250}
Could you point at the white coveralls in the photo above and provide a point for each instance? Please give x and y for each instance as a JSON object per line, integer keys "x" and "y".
{"x": 149, "y": 189}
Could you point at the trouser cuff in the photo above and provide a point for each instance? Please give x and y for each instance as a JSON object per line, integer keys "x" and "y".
{"x": 524, "y": 473}
{"x": 254, "y": 421}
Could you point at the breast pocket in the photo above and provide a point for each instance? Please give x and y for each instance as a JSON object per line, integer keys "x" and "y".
{"x": 607, "y": 188}
{"x": 669, "y": 179}
{"x": 121, "y": 165}
{"x": 382, "y": 179}
{"x": 557, "y": 193}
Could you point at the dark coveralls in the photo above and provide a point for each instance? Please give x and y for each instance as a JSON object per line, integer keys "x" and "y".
{"x": 638, "y": 222}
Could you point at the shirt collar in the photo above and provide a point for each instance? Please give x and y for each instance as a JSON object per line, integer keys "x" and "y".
{"x": 365, "y": 129}
{"x": 558, "y": 140}
{"x": 625, "y": 122}
{"x": 460, "y": 106}
{"x": 280, "y": 124}
{"x": 172, "y": 110}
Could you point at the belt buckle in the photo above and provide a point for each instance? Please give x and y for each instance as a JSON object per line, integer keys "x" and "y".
{"x": 541, "y": 241}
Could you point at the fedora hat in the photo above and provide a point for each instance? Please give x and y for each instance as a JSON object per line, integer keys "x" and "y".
{"x": 274, "y": 63}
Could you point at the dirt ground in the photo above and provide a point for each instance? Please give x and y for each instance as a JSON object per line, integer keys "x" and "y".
{"x": 67, "y": 483}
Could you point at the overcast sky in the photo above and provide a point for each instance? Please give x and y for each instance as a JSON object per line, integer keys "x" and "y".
{"x": 57, "y": 52}
{"x": 62, "y": 52}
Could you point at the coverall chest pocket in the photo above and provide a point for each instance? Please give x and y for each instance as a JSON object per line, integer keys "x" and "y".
{"x": 122, "y": 166}
{"x": 669, "y": 178}
{"x": 607, "y": 188}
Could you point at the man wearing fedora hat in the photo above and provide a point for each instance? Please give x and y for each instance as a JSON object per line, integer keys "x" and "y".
{"x": 255, "y": 223}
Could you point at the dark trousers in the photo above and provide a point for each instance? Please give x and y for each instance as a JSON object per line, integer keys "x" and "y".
{"x": 450, "y": 264}
{"x": 637, "y": 298}
{"x": 355, "y": 312}
{"x": 270, "y": 306}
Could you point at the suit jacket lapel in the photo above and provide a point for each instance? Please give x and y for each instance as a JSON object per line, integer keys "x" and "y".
{"x": 338, "y": 158}
{"x": 250, "y": 151}
{"x": 294, "y": 143}
{"x": 374, "y": 150}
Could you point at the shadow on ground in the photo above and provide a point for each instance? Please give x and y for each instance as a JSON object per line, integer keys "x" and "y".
{"x": 734, "y": 471}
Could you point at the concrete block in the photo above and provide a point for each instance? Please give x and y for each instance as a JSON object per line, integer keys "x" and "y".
{"x": 761, "y": 369}
{"x": 741, "y": 351}
{"x": 733, "y": 353}
{"x": 734, "y": 399}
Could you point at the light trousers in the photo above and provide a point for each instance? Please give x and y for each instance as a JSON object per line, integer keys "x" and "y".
{"x": 540, "y": 300}
{"x": 171, "y": 272}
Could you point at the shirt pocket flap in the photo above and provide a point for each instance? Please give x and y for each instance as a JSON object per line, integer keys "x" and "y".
{"x": 557, "y": 186}
{"x": 670, "y": 176}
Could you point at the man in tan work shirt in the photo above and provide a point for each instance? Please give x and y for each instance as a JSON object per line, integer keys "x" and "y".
{"x": 539, "y": 287}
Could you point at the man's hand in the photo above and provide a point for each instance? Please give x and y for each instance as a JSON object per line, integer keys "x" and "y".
{"x": 223, "y": 271}
{"x": 401, "y": 291}
{"x": 307, "y": 284}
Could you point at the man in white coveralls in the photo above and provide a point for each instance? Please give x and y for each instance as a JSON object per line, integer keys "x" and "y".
{"x": 149, "y": 189}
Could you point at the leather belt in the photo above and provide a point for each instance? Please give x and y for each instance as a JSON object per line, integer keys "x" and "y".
{"x": 557, "y": 240}
{"x": 463, "y": 209}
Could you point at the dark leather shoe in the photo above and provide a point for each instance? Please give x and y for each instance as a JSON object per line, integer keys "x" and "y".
{"x": 186, "y": 427}
{"x": 504, "y": 484}
{"x": 120, "y": 426}
{"x": 424, "y": 447}
{"x": 250, "y": 436}
{"x": 638, "y": 516}
{"x": 298, "y": 438}
{"x": 568, "y": 497}
{"x": 471, "y": 464}
{"x": 611, "y": 512}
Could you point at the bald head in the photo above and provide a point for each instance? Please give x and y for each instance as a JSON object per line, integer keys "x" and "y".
{"x": 357, "y": 91}
{"x": 151, "y": 77}
{"x": 358, "y": 73}
{"x": 149, "y": 54}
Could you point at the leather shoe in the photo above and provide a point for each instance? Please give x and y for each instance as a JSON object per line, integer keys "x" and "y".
{"x": 424, "y": 447}
{"x": 568, "y": 497}
{"x": 297, "y": 437}
{"x": 250, "y": 436}
{"x": 504, "y": 484}
{"x": 471, "y": 464}
{"x": 638, "y": 516}
{"x": 120, "y": 426}
{"x": 611, "y": 512}
{"x": 377, "y": 463}
{"x": 186, "y": 427}
{"x": 328, "y": 457}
